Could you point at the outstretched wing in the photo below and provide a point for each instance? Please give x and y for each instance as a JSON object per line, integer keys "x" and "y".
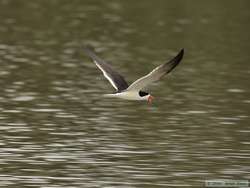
{"x": 117, "y": 81}
{"x": 157, "y": 73}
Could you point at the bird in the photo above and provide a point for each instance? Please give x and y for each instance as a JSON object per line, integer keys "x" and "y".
{"x": 135, "y": 91}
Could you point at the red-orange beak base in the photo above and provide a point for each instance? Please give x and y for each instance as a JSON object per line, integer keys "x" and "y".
{"x": 150, "y": 99}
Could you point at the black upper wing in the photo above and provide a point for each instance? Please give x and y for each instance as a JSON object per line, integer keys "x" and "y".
{"x": 157, "y": 73}
{"x": 117, "y": 81}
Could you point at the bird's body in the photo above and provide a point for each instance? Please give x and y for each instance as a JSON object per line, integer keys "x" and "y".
{"x": 128, "y": 95}
{"x": 135, "y": 90}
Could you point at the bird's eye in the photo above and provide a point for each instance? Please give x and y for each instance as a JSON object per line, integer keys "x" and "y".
{"x": 142, "y": 93}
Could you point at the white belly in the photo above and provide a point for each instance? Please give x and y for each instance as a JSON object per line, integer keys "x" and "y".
{"x": 129, "y": 95}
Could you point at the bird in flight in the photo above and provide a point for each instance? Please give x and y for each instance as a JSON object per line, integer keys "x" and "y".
{"x": 135, "y": 90}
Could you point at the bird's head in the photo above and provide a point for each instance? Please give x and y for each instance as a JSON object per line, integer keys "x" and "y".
{"x": 150, "y": 99}
{"x": 146, "y": 96}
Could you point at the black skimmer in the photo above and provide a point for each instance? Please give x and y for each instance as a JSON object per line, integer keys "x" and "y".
{"x": 135, "y": 90}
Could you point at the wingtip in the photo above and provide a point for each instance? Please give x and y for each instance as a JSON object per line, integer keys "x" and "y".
{"x": 180, "y": 55}
{"x": 176, "y": 60}
{"x": 86, "y": 48}
{"x": 182, "y": 51}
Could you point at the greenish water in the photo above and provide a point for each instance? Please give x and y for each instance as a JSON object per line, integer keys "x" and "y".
{"x": 56, "y": 130}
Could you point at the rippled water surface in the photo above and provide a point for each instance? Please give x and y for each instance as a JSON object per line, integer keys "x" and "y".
{"x": 56, "y": 129}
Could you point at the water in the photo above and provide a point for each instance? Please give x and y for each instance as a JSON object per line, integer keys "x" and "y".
{"x": 56, "y": 130}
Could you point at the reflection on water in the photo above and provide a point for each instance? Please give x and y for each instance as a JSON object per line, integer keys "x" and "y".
{"x": 56, "y": 130}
